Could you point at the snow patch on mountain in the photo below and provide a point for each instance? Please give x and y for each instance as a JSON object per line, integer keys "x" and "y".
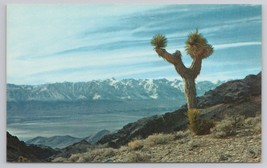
{"x": 96, "y": 96}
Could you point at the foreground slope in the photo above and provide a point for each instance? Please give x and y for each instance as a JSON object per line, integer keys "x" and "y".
{"x": 181, "y": 146}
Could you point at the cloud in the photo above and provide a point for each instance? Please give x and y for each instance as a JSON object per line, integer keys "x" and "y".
{"x": 240, "y": 44}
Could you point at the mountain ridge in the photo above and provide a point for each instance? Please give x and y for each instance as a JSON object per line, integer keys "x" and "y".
{"x": 66, "y": 140}
{"x": 109, "y": 89}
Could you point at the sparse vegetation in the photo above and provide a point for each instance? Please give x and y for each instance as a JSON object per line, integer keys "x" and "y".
{"x": 237, "y": 120}
{"x": 59, "y": 160}
{"x": 254, "y": 122}
{"x": 192, "y": 144}
{"x": 257, "y": 128}
{"x": 230, "y": 126}
{"x": 224, "y": 129}
{"x": 95, "y": 155}
{"x": 181, "y": 134}
{"x": 196, "y": 125}
{"x": 136, "y": 157}
{"x": 158, "y": 139}
{"x": 136, "y": 144}
{"x": 23, "y": 159}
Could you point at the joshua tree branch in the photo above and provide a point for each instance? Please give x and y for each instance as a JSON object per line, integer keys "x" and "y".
{"x": 167, "y": 56}
{"x": 174, "y": 59}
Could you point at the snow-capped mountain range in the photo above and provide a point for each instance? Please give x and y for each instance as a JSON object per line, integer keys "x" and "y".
{"x": 109, "y": 89}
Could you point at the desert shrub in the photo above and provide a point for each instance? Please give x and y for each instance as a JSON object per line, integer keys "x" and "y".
{"x": 23, "y": 159}
{"x": 155, "y": 139}
{"x": 138, "y": 157}
{"x": 136, "y": 144}
{"x": 257, "y": 128}
{"x": 250, "y": 121}
{"x": 124, "y": 149}
{"x": 231, "y": 124}
{"x": 254, "y": 122}
{"x": 196, "y": 125}
{"x": 225, "y": 128}
{"x": 181, "y": 134}
{"x": 102, "y": 153}
{"x": 96, "y": 155}
{"x": 74, "y": 157}
{"x": 238, "y": 120}
{"x": 192, "y": 144}
{"x": 59, "y": 159}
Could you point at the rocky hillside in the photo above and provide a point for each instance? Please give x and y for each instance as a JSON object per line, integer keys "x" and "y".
{"x": 18, "y": 151}
{"x": 237, "y": 97}
{"x": 110, "y": 89}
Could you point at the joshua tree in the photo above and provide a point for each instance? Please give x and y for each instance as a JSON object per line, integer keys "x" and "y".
{"x": 198, "y": 48}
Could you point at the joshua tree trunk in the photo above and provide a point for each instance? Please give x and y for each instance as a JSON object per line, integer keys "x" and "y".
{"x": 190, "y": 92}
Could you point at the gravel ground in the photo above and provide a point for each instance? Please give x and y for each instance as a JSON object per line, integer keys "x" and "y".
{"x": 206, "y": 149}
{"x": 238, "y": 148}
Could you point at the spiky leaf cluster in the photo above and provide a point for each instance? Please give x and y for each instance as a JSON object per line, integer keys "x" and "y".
{"x": 159, "y": 41}
{"x": 197, "y": 46}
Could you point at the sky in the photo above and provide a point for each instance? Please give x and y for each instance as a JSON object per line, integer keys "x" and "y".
{"x": 57, "y": 43}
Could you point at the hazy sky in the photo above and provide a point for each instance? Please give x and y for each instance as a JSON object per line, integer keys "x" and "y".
{"x": 56, "y": 43}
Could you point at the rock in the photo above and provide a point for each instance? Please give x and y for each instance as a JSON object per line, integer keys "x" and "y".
{"x": 224, "y": 157}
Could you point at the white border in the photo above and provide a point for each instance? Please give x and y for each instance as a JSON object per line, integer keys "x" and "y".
{"x": 3, "y": 163}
